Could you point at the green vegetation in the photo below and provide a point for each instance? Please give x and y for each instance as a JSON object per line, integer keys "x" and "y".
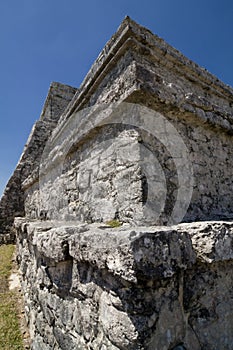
{"x": 114, "y": 223}
{"x": 10, "y": 335}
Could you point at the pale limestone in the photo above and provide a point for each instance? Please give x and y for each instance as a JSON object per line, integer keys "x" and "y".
{"x": 140, "y": 286}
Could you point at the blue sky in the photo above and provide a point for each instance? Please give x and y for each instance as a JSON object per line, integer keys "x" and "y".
{"x": 46, "y": 40}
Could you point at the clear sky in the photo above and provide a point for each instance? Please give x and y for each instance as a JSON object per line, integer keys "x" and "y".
{"x": 58, "y": 40}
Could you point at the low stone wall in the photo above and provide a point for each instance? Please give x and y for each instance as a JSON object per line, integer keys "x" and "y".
{"x": 97, "y": 287}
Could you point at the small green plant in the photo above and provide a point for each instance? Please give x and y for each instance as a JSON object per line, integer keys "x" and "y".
{"x": 10, "y": 335}
{"x": 114, "y": 223}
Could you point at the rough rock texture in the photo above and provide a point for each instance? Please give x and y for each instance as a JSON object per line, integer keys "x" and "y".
{"x": 119, "y": 149}
{"x": 94, "y": 287}
{"x": 137, "y": 67}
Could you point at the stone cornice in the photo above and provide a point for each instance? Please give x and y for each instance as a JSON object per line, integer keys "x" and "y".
{"x": 132, "y": 36}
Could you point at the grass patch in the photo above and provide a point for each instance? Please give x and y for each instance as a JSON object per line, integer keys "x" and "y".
{"x": 10, "y": 335}
{"x": 114, "y": 223}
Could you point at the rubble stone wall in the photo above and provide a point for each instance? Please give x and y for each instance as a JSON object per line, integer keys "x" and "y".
{"x": 111, "y": 151}
{"x": 115, "y": 157}
{"x": 95, "y": 287}
{"x": 147, "y": 72}
{"x": 137, "y": 67}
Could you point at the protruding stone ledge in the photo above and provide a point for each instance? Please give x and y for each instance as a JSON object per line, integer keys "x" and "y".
{"x": 145, "y": 247}
{"x": 128, "y": 287}
{"x": 130, "y": 253}
{"x": 212, "y": 241}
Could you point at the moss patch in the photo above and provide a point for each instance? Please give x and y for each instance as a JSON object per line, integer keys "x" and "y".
{"x": 114, "y": 223}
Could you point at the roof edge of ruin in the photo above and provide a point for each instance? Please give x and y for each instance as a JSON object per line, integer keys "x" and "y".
{"x": 55, "y": 88}
{"x": 129, "y": 29}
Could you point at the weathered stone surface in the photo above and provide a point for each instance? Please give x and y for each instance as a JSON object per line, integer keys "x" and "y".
{"x": 147, "y": 71}
{"x": 95, "y": 287}
{"x": 213, "y": 241}
{"x": 87, "y": 180}
{"x": 118, "y": 149}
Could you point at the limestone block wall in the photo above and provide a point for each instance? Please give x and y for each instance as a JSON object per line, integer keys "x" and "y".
{"x": 148, "y": 132}
{"x": 94, "y": 287}
{"x": 106, "y": 174}
{"x": 91, "y": 185}
{"x": 139, "y": 68}
{"x": 134, "y": 67}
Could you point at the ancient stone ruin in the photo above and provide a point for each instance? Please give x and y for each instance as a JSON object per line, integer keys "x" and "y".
{"x": 121, "y": 205}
